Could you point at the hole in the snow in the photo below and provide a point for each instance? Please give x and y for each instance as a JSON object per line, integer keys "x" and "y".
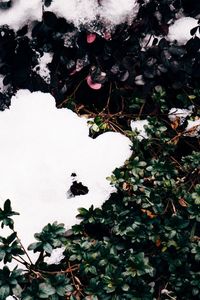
{"x": 77, "y": 188}
{"x": 73, "y": 175}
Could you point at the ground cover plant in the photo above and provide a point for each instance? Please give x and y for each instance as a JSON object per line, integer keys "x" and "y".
{"x": 141, "y": 79}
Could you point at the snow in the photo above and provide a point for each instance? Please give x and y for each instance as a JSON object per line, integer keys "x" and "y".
{"x": 41, "y": 146}
{"x": 55, "y": 257}
{"x": 2, "y": 87}
{"x": 21, "y": 13}
{"x": 180, "y": 30}
{"x": 138, "y": 126}
{"x": 193, "y": 128}
{"x": 75, "y": 11}
{"x": 109, "y": 12}
{"x": 120, "y": 11}
{"x": 179, "y": 113}
{"x": 42, "y": 67}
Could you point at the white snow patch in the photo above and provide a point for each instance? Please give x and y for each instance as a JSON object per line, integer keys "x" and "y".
{"x": 42, "y": 67}
{"x": 180, "y": 30}
{"x": 179, "y": 113}
{"x": 55, "y": 257}
{"x": 75, "y": 11}
{"x": 109, "y": 12}
{"x": 41, "y": 146}
{"x": 21, "y": 13}
{"x": 118, "y": 11}
{"x": 193, "y": 128}
{"x": 138, "y": 126}
{"x": 2, "y": 88}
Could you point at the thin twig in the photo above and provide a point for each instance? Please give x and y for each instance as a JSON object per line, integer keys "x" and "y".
{"x": 71, "y": 95}
{"x": 24, "y": 250}
{"x": 106, "y": 108}
{"x": 68, "y": 270}
{"x": 19, "y": 261}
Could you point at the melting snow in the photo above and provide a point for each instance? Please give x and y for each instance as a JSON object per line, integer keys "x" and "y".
{"x": 180, "y": 30}
{"x": 193, "y": 128}
{"x": 109, "y": 12}
{"x": 41, "y": 146}
{"x": 42, "y": 67}
{"x": 21, "y": 13}
{"x": 55, "y": 257}
{"x": 138, "y": 126}
{"x": 182, "y": 114}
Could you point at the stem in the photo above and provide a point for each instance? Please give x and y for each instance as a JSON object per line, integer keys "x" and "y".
{"x": 19, "y": 261}
{"x": 24, "y": 250}
{"x": 108, "y": 101}
{"x": 68, "y": 270}
{"x": 72, "y": 94}
{"x": 42, "y": 8}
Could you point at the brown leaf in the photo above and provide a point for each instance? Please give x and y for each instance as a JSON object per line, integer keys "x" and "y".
{"x": 175, "y": 140}
{"x": 175, "y": 123}
{"x": 149, "y": 213}
{"x": 182, "y": 202}
{"x": 126, "y": 186}
{"x": 158, "y": 243}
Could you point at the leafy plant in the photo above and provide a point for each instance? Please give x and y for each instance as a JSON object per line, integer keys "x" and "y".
{"x": 144, "y": 241}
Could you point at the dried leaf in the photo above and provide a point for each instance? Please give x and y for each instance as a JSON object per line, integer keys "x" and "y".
{"x": 175, "y": 140}
{"x": 175, "y": 123}
{"x": 158, "y": 243}
{"x": 182, "y": 202}
{"x": 126, "y": 186}
{"x": 149, "y": 213}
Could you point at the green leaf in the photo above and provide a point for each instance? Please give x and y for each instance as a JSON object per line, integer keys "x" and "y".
{"x": 28, "y": 297}
{"x": 48, "y": 248}
{"x": 2, "y": 254}
{"x": 46, "y": 290}
{"x": 125, "y": 287}
{"x": 7, "y": 206}
{"x": 4, "y": 292}
{"x": 34, "y": 246}
{"x": 83, "y": 211}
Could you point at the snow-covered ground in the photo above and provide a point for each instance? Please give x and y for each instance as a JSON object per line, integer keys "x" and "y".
{"x": 89, "y": 12}
{"x": 110, "y": 12}
{"x": 21, "y": 13}
{"x": 41, "y": 146}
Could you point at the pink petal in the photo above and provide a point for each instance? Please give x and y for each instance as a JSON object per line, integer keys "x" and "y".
{"x": 91, "y": 37}
{"x": 93, "y": 85}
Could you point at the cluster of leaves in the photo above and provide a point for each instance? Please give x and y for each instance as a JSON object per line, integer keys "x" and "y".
{"x": 142, "y": 244}
{"x": 121, "y": 59}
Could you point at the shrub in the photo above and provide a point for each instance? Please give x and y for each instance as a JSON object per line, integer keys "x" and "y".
{"x": 144, "y": 242}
